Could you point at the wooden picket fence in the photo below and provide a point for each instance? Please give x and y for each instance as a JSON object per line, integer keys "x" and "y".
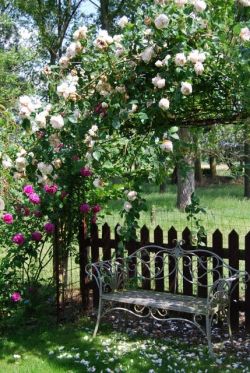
{"x": 105, "y": 247}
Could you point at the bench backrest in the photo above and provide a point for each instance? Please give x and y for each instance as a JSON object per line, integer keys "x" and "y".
{"x": 198, "y": 267}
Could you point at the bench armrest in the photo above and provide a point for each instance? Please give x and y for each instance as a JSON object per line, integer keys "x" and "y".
{"x": 110, "y": 275}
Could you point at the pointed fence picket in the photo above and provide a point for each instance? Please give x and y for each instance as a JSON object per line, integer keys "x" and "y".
{"x": 102, "y": 248}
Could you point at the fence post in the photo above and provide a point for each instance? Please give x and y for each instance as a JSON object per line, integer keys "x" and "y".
{"x": 106, "y": 242}
{"x": 233, "y": 247}
{"x": 187, "y": 266}
{"x": 95, "y": 258}
{"x": 83, "y": 256}
{"x": 217, "y": 249}
{"x": 173, "y": 275}
{"x": 247, "y": 294}
{"x": 145, "y": 258}
{"x": 202, "y": 274}
{"x": 159, "y": 261}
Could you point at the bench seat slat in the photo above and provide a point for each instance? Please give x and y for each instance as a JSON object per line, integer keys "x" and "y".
{"x": 153, "y": 299}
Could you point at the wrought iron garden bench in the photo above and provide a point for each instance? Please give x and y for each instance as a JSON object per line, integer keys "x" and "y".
{"x": 122, "y": 283}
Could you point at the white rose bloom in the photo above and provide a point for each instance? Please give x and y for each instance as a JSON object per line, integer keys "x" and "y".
{"x": 161, "y": 21}
{"x": 244, "y": 2}
{"x": 132, "y": 195}
{"x": 123, "y": 21}
{"x": 20, "y": 164}
{"x": 54, "y": 140}
{"x": 24, "y": 100}
{"x": 200, "y": 5}
{"x": 2, "y": 204}
{"x": 159, "y": 63}
{"x": 7, "y": 162}
{"x": 41, "y": 119}
{"x": 166, "y": 59}
{"x": 103, "y": 40}
{"x": 45, "y": 168}
{"x": 81, "y": 33}
{"x": 48, "y": 108}
{"x": 65, "y": 89}
{"x": 134, "y": 108}
{"x": 196, "y": 56}
{"x": 24, "y": 112}
{"x": 186, "y": 88}
{"x": 199, "y": 68}
{"x": 245, "y": 34}
{"x": 117, "y": 38}
{"x": 98, "y": 183}
{"x": 147, "y": 54}
{"x": 158, "y": 82}
{"x": 167, "y": 146}
{"x": 64, "y": 62}
{"x": 164, "y": 104}
{"x": 17, "y": 175}
{"x": 21, "y": 153}
{"x": 93, "y": 130}
{"x": 57, "y": 163}
{"x": 148, "y": 32}
{"x": 180, "y": 59}
{"x": 180, "y": 3}
{"x": 127, "y": 206}
{"x": 57, "y": 121}
{"x": 73, "y": 49}
{"x": 42, "y": 179}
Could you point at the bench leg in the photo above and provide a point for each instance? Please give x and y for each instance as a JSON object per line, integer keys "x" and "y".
{"x": 229, "y": 324}
{"x": 98, "y": 318}
{"x": 208, "y": 333}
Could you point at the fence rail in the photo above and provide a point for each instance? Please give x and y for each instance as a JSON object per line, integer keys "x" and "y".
{"x": 103, "y": 247}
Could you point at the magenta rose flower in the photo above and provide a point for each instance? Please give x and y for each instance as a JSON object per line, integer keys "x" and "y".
{"x": 85, "y": 171}
{"x": 18, "y": 239}
{"x": 96, "y": 209}
{"x": 16, "y": 297}
{"x": 28, "y": 189}
{"x": 64, "y": 194}
{"x": 36, "y": 236}
{"x": 50, "y": 189}
{"x": 49, "y": 228}
{"x": 85, "y": 208}
{"x": 8, "y": 218}
{"x": 38, "y": 213}
{"x": 34, "y": 198}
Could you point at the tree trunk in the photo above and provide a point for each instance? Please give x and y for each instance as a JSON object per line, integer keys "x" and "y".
{"x": 198, "y": 170}
{"x": 163, "y": 187}
{"x": 185, "y": 173}
{"x": 212, "y": 163}
{"x": 104, "y": 15}
{"x": 247, "y": 165}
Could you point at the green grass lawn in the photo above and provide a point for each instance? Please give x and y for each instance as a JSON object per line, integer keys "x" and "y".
{"x": 226, "y": 207}
{"x": 70, "y": 348}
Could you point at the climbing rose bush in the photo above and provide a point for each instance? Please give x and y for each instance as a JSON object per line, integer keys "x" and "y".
{"x": 114, "y": 104}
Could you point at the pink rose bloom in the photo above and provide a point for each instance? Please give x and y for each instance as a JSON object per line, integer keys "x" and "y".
{"x": 34, "y": 198}
{"x": 64, "y": 194}
{"x": 19, "y": 239}
{"x": 28, "y": 189}
{"x": 25, "y": 211}
{"x": 49, "y": 228}
{"x": 38, "y": 213}
{"x": 16, "y": 297}
{"x": 85, "y": 208}
{"x": 85, "y": 171}
{"x": 50, "y": 189}
{"x": 96, "y": 209}
{"x": 8, "y": 218}
{"x": 36, "y": 236}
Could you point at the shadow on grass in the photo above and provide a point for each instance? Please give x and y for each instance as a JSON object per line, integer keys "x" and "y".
{"x": 35, "y": 344}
